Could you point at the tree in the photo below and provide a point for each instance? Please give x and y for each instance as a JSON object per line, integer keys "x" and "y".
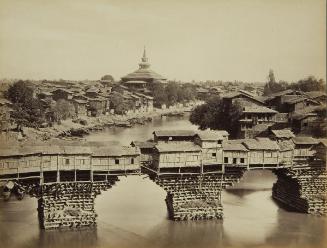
{"x": 159, "y": 94}
{"x": 108, "y": 78}
{"x": 309, "y": 84}
{"x": 63, "y": 110}
{"x": 213, "y": 114}
{"x": 28, "y": 111}
{"x": 118, "y": 104}
{"x": 272, "y": 86}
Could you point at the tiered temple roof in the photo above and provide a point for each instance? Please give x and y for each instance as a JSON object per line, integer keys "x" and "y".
{"x": 144, "y": 73}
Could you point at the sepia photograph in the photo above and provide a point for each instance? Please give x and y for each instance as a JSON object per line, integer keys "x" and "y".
{"x": 163, "y": 124}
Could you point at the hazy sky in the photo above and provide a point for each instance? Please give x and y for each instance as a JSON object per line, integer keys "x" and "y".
{"x": 185, "y": 40}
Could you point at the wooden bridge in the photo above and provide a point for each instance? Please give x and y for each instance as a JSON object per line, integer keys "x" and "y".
{"x": 193, "y": 168}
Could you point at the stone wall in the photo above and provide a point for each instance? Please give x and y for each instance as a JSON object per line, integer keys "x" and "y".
{"x": 304, "y": 190}
{"x": 70, "y": 204}
{"x": 195, "y": 197}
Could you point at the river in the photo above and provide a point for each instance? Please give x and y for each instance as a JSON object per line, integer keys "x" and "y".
{"x": 133, "y": 213}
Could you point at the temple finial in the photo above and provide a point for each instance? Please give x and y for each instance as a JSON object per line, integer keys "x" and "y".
{"x": 144, "y": 52}
{"x": 144, "y": 58}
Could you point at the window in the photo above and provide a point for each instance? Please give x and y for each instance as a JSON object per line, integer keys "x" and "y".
{"x": 242, "y": 160}
{"x": 268, "y": 154}
{"x": 132, "y": 160}
{"x": 234, "y": 160}
{"x": 66, "y": 161}
{"x": 213, "y": 154}
{"x": 219, "y": 142}
{"x": 305, "y": 124}
{"x": 226, "y": 160}
{"x": 116, "y": 161}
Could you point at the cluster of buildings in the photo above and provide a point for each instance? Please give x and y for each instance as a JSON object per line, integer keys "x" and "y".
{"x": 291, "y": 109}
{"x": 94, "y": 98}
{"x": 178, "y": 149}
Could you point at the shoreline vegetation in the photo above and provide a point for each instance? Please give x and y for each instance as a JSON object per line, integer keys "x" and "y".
{"x": 70, "y": 130}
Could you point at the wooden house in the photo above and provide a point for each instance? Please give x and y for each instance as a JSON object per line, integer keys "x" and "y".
{"x": 318, "y": 96}
{"x": 277, "y": 100}
{"x": 80, "y": 107}
{"x": 173, "y": 135}
{"x": 303, "y": 148}
{"x": 297, "y": 103}
{"x": 92, "y": 92}
{"x": 304, "y": 123}
{"x": 19, "y": 160}
{"x": 176, "y": 155}
{"x": 115, "y": 158}
{"x": 146, "y": 149}
{"x": 281, "y": 134}
{"x": 211, "y": 145}
{"x": 263, "y": 152}
{"x": 252, "y": 116}
{"x": 62, "y": 94}
{"x": 320, "y": 150}
{"x": 286, "y": 152}
{"x": 98, "y": 106}
{"x": 245, "y": 98}
{"x": 235, "y": 153}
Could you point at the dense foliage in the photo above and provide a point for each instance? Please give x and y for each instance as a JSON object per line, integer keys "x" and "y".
{"x": 307, "y": 84}
{"x": 214, "y": 115}
{"x": 27, "y": 110}
{"x": 172, "y": 93}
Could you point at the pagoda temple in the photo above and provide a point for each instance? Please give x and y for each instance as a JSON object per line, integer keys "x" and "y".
{"x": 143, "y": 76}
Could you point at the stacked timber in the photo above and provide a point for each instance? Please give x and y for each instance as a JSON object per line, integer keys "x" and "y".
{"x": 69, "y": 205}
{"x": 304, "y": 190}
{"x": 196, "y": 197}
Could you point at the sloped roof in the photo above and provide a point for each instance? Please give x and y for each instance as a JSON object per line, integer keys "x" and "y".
{"x": 135, "y": 82}
{"x": 244, "y": 93}
{"x": 212, "y": 135}
{"x": 258, "y": 109}
{"x": 174, "y": 133}
{"x": 114, "y": 151}
{"x": 303, "y": 140}
{"x": 261, "y": 144}
{"x": 297, "y": 99}
{"x": 144, "y": 144}
{"x": 286, "y": 145}
{"x": 315, "y": 94}
{"x": 323, "y": 141}
{"x": 297, "y": 116}
{"x": 143, "y": 73}
{"x": 233, "y": 145}
{"x": 283, "y": 133}
{"x": 183, "y": 146}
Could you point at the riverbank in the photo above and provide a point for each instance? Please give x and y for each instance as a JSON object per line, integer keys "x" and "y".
{"x": 70, "y": 130}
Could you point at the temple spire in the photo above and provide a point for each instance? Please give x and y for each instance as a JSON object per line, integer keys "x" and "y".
{"x": 144, "y": 58}
{"x": 144, "y": 62}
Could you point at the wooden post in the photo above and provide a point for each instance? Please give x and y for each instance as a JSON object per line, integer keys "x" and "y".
{"x": 91, "y": 169}
{"x": 41, "y": 170}
{"x": 58, "y": 173}
{"x": 74, "y": 168}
